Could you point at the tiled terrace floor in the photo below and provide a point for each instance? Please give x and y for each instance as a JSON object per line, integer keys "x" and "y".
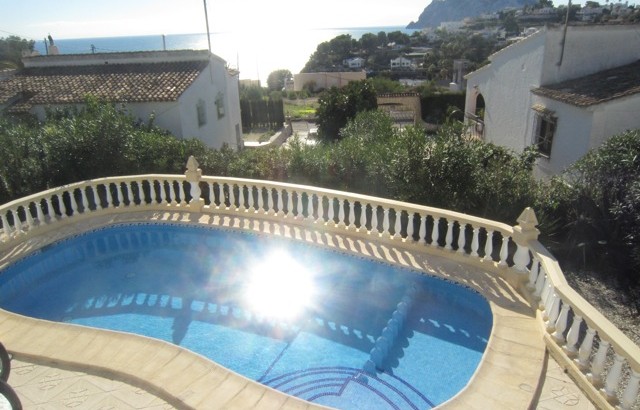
{"x": 58, "y": 366}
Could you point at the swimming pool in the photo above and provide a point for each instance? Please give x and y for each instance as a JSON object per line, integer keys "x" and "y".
{"x": 325, "y": 326}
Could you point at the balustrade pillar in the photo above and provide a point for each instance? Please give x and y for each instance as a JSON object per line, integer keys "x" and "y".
{"x": 584, "y": 353}
{"x": 73, "y": 203}
{"x": 422, "y": 231}
{"x": 397, "y": 227}
{"x": 341, "y": 218}
{"x": 461, "y": 237}
{"x": 561, "y": 324}
{"x": 597, "y": 367}
{"x": 572, "y": 337}
{"x": 504, "y": 252}
{"x": 385, "y": 223}
{"x": 488, "y": 247}
{"x": 320, "y": 218}
{"x": 533, "y": 275}
{"x": 83, "y": 199}
{"x": 630, "y": 394}
{"x": 40, "y": 214}
{"x": 28, "y": 216}
{"x": 435, "y": 231}
{"x": 448, "y": 239}
{"x": 299, "y": 211}
{"x": 524, "y": 232}
{"x": 280, "y": 202}
{"x": 132, "y": 201}
{"x": 352, "y": 215}
{"x": 475, "y": 242}
{"x": 613, "y": 378}
{"x": 554, "y": 311}
{"x": 374, "y": 219}
{"x": 331, "y": 211}
{"x": 5, "y": 225}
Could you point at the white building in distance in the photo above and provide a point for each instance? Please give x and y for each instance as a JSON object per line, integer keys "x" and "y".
{"x": 565, "y": 100}
{"x": 190, "y": 93}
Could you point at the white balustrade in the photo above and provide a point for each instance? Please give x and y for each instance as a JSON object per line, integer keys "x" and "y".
{"x": 540, "y": 274}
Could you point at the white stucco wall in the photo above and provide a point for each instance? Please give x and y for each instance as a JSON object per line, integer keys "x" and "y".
{"x": 615, "y": 118}
{"x": 216, "y": 131}
{"x": 167, "y": 115}
{"x": 588, "y": 50}
{"x": 505, "y": 86}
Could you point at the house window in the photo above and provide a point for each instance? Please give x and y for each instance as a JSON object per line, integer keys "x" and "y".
{"x": 220, "y": 105}
{"x": 544, "y": 129}
{"x": 201, "y": 109}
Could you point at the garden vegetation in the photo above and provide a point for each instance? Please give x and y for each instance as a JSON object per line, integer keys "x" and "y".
{"x": 590, "y": 215}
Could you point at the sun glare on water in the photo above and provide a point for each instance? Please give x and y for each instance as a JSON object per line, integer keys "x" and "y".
{"x": 279, "y": 287}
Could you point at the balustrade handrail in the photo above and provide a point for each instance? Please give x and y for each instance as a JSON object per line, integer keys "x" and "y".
{"x": 572, "y": 322}
{"x": 581, "y": 307}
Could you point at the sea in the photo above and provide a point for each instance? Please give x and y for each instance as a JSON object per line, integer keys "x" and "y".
{"x": 254, "y": 54}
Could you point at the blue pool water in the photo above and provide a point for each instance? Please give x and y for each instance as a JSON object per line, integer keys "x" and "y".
{"x": 330, "y": 328}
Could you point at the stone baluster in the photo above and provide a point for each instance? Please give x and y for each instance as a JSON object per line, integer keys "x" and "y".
{"x": 231, "y": 197}
{"x": 533, "y": 275}
{"x": 5, "y": 225}
{"x": 72, "y": 202}
{"x": 50, "y": 211}
{"x": 597, "y": 367}
{"x": 253, "y": 207}
{"x": 40, "y": 214}
{"x": 397, "y": 228}
{"x": 352, "y": 216}
{"x": 461, "y": 237}
{"x": 504, "y": 252}
{"x": 374, "y": 219}
{"x": 260, "y": 207}
{"x": 630, "y": 394}
{"x": 435, "y": 231}
{"x": 278, "y": 202}
{"x": 320, "y": 218}
{"x": 119, "y": 194}
{"x": 545, "y": 289}
{"x": 475, "y": 243}
{"x": 584, "y": 353}
{"x": 613, "y": 378}
{"x": 290, "y": 209}
{"x": 561, "y": 324}
{"x": 385, "y": 223}
{"x": 341, "y": 217}
{"x": 410, "y": 227}
{"x": 83, "y": 199}
{"x": 132, "y": 201}
{"x": 107, "y": 195}
{"x": 298, "y": 205}
{"x": 152, "y": 193}
{"x": 572, "y": 337}
{"x": 271, "y": 210}
{"x": 330, "y": 211}
{"x": 422, "y": 231}
{"x": 448, "y": 245}
{"x": 95, "y": 190}
{"x": 488, "y": 247}
{"x": 28, "y": 216}
{"x": 554, "y": 312}
{"x": 361, "y": 220}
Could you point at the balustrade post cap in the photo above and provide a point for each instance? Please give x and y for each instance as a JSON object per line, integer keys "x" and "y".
{"x": 527, "y": 222}
{"x": 193, "y": 172}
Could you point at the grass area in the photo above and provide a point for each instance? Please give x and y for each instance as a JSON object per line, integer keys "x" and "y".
{"x": 301, "y": 108}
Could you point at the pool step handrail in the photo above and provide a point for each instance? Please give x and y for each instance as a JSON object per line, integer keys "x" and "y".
{"x": 603, "y": 361}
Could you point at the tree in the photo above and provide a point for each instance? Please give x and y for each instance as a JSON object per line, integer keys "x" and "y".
{"x": 275, "y": 81}
{"x": 11, "y": 49}
{"x": 338, "y": 105}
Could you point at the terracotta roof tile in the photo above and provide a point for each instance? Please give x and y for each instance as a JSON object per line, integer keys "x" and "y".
{"x": 595, "y": 88}
{"x": 139, "y": 82}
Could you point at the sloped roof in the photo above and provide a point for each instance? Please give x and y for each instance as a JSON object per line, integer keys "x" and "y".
{"x": 132, "y": 82}
{"x": 596, "y": 88}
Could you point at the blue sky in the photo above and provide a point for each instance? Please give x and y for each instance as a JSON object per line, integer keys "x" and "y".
{"x": 34, "y": 19}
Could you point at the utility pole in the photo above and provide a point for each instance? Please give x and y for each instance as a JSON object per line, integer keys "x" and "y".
{"x": 206, "y": 17}
{"x": 564, "y": 34}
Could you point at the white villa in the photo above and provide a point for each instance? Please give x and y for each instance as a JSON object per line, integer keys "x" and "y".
{"x": 190, "y": 93}
{"x": 354, "y": 63}
{"x": 564, "y": 99}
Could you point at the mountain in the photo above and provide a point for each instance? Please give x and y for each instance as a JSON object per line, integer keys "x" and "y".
{"x": 456, "y": 10}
